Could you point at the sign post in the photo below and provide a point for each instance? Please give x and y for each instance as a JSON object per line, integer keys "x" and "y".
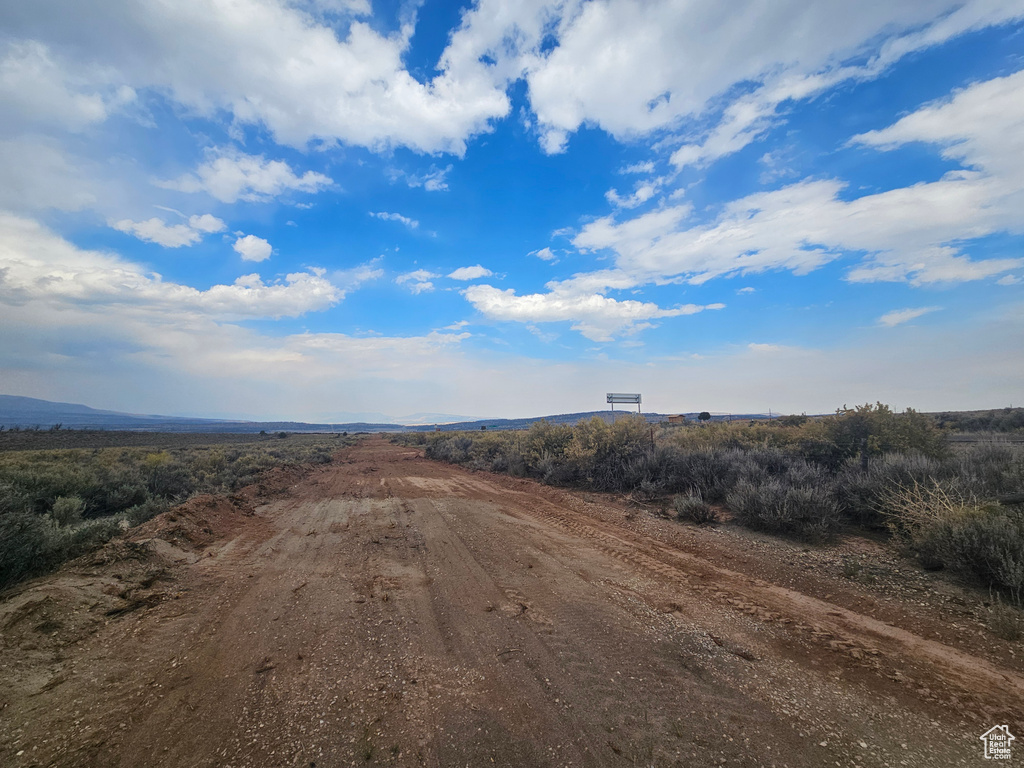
{"x": 619, "y": 397}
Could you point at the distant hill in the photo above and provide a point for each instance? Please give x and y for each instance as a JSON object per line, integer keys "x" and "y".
{"x": 29, "y": 413}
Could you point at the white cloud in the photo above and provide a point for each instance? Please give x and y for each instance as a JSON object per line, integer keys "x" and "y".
{"x": 981, "y": 125}
{"x": 1008, "y": 280}
{"x": 268, "y": 63}
{"x": 905, "y": 232}
{"x": 311, "y": 72}
{"x": 434, "y": 180}
{"x": 230, "y": 176}
{"x": 252, "y": 248}
{"x": 642, "y": 192}
{"x": 470, "y": 273}
{"x": 206, "y": 223}
{"x": 157, "y": 231}
{"x": 900, "y": 316}
{"x": 417, "y": 281}
{"x": 350, "y": 279}
{"x": 36, "y": 89}
{"x": 39, "y": 266}
{"x": 594, "y": 315}
{"x": 385, "y": 216}
{"x": 545, "y": 254}
{"x": 632, "y": 73}
{"x": 644, "y": 167}
{"x": 746, "y": 289}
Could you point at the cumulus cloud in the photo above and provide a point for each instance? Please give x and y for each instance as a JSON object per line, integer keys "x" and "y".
{"x": 39, "y": 266}
{"x": 643, "y": 192}
{"x": 545, "y": 254}
{"x": 269, "y": 63}
{"x": 385, "y": 216}
{"x": 900, "y": 316}
{"x": 912, "y": 234}
{"x": 470, "y": 273}
{"x": 157, "y": 231}
{"x": 417, "y": 281}
{"x": 594, "y": 315}
{"x": 252, "y": 248}
{"x": 678, "y": 61}
{"x": 230, "y": 176}
{"x": 981, "y": 126}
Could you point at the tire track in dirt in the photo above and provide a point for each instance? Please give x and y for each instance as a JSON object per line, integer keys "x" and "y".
{"x": 941, "y": 674}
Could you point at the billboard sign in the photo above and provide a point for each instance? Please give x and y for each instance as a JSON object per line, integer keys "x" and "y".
{"x": 619, "y": 397}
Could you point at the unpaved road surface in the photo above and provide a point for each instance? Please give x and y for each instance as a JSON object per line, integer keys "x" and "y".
{"x": 389, "y": 610}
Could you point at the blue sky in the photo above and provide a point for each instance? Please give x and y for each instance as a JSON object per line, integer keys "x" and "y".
{"x": 317, "y": 209}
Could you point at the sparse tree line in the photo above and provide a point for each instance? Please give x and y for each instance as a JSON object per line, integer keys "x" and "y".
{"x": 868, "y": 467}
{"x": 59, "y": 504}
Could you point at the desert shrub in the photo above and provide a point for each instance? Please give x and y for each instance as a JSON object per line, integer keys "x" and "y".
{"x": 694, "y": 509}
{"x": 774, "y": 506}
{"x": 59, "y": 504}
{"x": 707, "y": 473}
{"x": 546, "y": 441}
{"x": 863, "y": 494}
{"x": 946, "y": 527}
{"x": 989, "y": 469}
{"x": 31, "y": 544}
{"x": 147, "y": 510}
{"x": 68, "y": 542}
{"x": 170, "y": 479}
{"x": 453, "y": 449}
{"x": 880, "y": 429}
{"x": 67, "y": 510}
{"x": 1001, "y": 420}
{"x": 23, "y": 543}
{"x": 1005, "y": 621}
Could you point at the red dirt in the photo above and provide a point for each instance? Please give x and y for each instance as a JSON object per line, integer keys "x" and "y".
{"x": 388, "y": 610}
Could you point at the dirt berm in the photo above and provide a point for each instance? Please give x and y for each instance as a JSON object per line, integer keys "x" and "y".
{"x": 388, "y": 610}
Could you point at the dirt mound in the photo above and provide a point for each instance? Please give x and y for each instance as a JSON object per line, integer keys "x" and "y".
{"x": 198, "y": 522}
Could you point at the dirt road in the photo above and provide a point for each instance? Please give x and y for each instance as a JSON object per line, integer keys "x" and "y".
{"x": 388, "y": 610}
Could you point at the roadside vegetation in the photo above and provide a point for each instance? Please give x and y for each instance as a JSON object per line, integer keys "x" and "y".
{"x": 953, "y": 505}
{"x": 59, "y": 504}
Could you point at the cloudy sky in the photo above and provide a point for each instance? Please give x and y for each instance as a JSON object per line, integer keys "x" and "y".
{"x": 310, "y": 209}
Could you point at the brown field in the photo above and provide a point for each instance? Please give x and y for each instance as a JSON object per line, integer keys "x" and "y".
{"x": 389, "y": 610}
{"x": 39, "y": 440}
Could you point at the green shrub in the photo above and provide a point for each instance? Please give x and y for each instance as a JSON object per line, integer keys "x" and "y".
{"x": 774, "y": 506}
{"x": 23, "y": 545}
{"x": 945, "y": 526}
{"x": 67, "y": 510}
{"x": 694, "y": 509}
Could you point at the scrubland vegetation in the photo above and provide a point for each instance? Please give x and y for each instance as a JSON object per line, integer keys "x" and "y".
{"x": 58, "y": 504}
{"x": 952, "y": 505}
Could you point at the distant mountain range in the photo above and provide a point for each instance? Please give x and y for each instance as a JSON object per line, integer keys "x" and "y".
{"x": 29, "y": 413}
